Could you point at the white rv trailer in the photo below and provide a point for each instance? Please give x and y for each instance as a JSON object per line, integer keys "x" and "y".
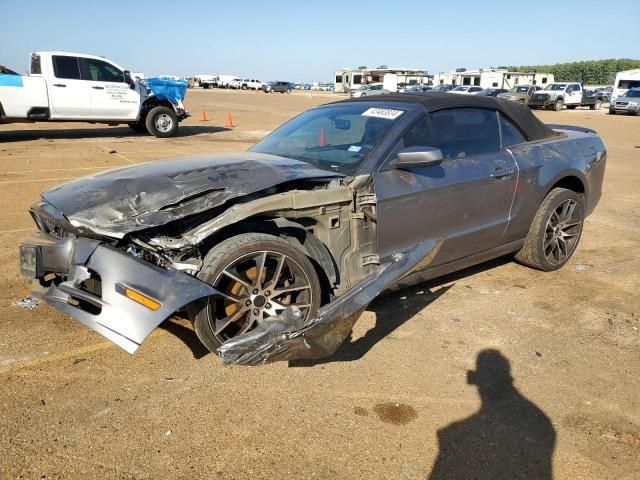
{"x": 348, "y": 79}
{"x": 624, "y": 81}
{"x": 492, "y": 78}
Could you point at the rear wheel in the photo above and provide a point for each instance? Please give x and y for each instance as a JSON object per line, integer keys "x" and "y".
{"x": 258, "y": 277}
{"x": 162, "y": 122}
{"x": 597, "y": 105}
{"x": 555, "y": 231}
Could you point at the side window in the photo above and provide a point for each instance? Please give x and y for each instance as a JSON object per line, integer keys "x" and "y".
{"x": 36, "y": 66}
{"x": 66, "y": 67}
{"x": 510, "y": 133}
{"x": 462, "y": 132}
{"x": 99, "y": 71}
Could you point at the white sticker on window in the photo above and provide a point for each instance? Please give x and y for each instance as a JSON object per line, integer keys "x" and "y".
{"x": 354, "y": 148}
{"x": 387, "y": 113}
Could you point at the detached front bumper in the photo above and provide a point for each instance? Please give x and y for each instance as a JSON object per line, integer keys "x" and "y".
{"x": 120, "y": 297}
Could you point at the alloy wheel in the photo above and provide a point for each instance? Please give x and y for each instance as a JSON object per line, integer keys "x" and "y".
{"x": 254, "y": 288}
{"x": 562, "y": 231}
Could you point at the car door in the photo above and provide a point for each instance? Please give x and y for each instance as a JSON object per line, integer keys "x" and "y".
{"x": 69, "y": 96}
{"x": 111, "y": 96}
{"x": 466, "y": 199}
{"x": 573, "y": 95}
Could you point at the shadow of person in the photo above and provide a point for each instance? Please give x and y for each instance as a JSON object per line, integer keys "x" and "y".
{"x": 508, "y": 438}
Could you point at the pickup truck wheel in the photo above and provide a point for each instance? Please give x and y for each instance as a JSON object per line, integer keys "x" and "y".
{"x": 597, "y": 105}
{"x": 162, "y": 122}
{"x": 288, "y": 90}
{"x": 555, "y": 231}
{"x": 139, "y": 127}
{"x": 558, "y": 105}
{"x": 612, "y": 111}
{"x": 258, "y": 277}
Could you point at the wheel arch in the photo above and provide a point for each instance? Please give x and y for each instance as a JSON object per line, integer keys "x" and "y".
{"x": 570, "y": 182}
{"x": 151, "y": 102}
{"x": 293, "y": 233}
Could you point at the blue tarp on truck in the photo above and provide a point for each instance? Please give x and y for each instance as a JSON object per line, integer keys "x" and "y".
{"x": 167, "y": 89}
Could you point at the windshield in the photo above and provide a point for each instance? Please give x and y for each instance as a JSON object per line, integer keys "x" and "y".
{"x": 336, "y": 138}
{"x": 556, "y": 86}
{"x": 519, "y": 90}
{"x": 632, "y": 94}
{"x": 460, "y": 89}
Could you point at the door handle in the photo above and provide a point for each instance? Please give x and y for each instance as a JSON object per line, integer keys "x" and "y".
{"x": 59, "y": 85}
{"x": 502, "y": 172}
{"x": 98, "y": 88}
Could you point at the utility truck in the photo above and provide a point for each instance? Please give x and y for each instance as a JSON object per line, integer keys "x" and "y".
{"x": 75, "y": 87}
{"x": 557, "y": 95}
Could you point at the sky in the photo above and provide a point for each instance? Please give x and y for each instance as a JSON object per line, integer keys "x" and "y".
{"x": 306, "y": 40}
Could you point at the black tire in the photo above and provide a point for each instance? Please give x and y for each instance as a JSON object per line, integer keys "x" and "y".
{"x": 612, "y": 111}
{"x": 558, "y": 105}
{"x": 288, "y": 90}
{"x": 597, "y": 105}
{"x": 162, "y": 122}
{"x": 206, "y": 86}
{"x": 534, "y": 253}
{"x": 233, "y": 251}
{"x": 139, "y": 127}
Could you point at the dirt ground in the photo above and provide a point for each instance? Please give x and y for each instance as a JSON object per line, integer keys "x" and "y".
{"x": 72, "y": 405}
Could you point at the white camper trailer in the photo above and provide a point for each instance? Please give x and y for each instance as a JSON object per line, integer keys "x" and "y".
{"x": 624, "y": 81}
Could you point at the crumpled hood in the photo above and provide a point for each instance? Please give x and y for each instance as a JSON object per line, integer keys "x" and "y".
{"x": 119, "y": 201}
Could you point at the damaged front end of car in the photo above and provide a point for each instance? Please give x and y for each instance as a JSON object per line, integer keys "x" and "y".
{"x": 121, "y": 251}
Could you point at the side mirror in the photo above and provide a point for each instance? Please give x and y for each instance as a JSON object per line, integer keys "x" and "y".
{"x": 128, "y": 80}
{"x": 416, "y": 157}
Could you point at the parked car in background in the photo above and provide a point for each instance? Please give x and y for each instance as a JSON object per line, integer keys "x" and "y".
{"x": 282, "y": 87}
{"x": 223, "y": 81}
{"x": 205, "y": 81}
{"x": 417, "y": 89}
{"x": 556, "y": 95}
{"x": 250, "y": 84}
{"x": 628, "y": 102}
{"x": 466, "y": 90}
{"x": 342, "y": 202}
{"x": 444, "y": 87}
{"x": 267, "y": 87}
{"x": 521, "y": 94}
{"x": 492, "y": 92}
{"x": 236, "y": 83}
{"x": 368, "y": 90}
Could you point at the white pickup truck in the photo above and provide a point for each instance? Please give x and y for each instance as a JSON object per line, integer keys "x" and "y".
{"x": 63, "y": 86}
{"x": 555, "y": 96}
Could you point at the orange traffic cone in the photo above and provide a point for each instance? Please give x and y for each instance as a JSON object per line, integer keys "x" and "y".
{"x": 203, "y": 116}
{"x": 229, "y": 120}
{"x": 322, "y": 141}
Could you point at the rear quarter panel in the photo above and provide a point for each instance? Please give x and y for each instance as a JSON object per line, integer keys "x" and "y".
{"x": 543, "y": 164}
{"x": 24, "y": 93}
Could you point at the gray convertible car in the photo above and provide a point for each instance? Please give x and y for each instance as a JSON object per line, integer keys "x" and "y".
{"x": 274, "y": 252}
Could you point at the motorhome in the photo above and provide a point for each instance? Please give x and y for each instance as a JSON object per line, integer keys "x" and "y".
{"x": 624, "y": 81}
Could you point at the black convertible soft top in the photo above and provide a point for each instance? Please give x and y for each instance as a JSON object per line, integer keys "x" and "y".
{"x": 519, "y": 114}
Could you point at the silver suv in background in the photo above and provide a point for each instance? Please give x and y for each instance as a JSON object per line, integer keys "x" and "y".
{"x": 628, "y": 102}
{"x": 368, "y": 90}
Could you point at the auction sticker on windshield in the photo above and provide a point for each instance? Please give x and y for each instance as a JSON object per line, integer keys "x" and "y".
{"x": 387, "y": 113}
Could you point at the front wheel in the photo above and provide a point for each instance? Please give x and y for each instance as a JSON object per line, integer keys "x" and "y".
{"x": 558, "y": 105}
{"x": 162, "y": 122}
{"x": 258, "y": 277}
{"x": 555, "y": 231}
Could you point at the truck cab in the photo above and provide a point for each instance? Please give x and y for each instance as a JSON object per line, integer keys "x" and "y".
{"x": 64, "y": 86}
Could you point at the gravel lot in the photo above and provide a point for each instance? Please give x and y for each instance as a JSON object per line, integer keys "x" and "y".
{"x": 72, "y": 405}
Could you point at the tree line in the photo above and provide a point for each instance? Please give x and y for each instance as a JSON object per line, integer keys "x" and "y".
{"x": 589, "y": 72}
